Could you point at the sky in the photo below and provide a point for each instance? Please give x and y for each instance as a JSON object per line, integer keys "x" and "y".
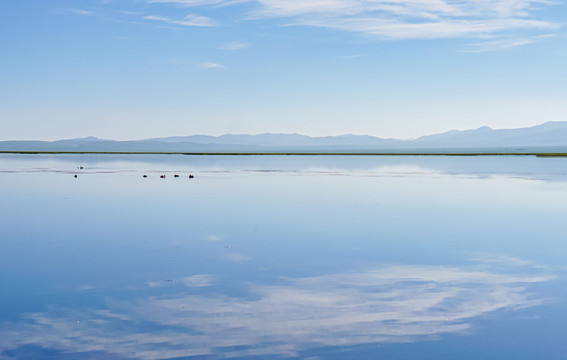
{"x": 133, "y": 69}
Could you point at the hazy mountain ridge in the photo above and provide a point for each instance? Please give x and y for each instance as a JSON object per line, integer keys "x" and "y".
{"x": 548, "y": 135}
{"x": 278, "y": 139}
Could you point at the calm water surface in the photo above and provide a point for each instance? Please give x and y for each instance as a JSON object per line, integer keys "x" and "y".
{"x": 270, "y": 257}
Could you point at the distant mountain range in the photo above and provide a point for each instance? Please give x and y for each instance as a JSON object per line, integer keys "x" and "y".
{"x": 550, "y": 136}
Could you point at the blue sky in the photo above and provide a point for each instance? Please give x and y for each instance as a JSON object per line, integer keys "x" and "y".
{"x": 130, "y": 69}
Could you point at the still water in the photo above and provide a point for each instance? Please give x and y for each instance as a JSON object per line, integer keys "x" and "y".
{"x": 272, "y": 257}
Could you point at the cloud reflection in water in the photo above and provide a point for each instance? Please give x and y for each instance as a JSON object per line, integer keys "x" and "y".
{"x": 388, "y": 304}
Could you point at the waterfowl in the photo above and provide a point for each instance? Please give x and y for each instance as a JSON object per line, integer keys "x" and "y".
{"x": 191, "y": 176}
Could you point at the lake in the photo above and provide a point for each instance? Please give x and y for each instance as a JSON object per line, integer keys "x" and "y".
{"x": 275, "y": 257}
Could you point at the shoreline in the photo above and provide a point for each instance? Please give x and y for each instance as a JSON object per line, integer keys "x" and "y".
{"x": 286, "y": 153}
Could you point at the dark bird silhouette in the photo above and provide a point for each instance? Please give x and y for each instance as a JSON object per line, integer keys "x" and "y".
{"x": 175, "y": 175}
{"x": 76, "y": 176}
{"x": 191, "y": 176}
{"x": 145, "y": 176}
{"x": 162, "y": 176}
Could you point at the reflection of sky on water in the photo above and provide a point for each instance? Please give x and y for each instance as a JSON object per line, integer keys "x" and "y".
{"x": 529, "y": 167}
{"x": 280, "y": 256}
{"x": 382, "y": 305}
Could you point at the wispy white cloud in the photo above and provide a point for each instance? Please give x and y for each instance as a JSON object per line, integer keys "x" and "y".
{"x": 399, "y": 19}
{"x": 382, "y": 305}
{"x": 235, "y": 45}
{"x": 128, "y": 12}
{"x": 505, "y": 262}
{"x": 197, "y": 281}
{"x": 189, "y": 20}
{"x": 212, "y": 238}
{"x": 443, "y": 28}
{"x": 487, "y": 46}
{"x": 212, "y": 65}
{"x": 235, "y": 257}
{"x": 501, "y": 44}
{"x": 79, "y": 11}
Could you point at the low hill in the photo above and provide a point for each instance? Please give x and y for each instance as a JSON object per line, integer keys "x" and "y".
{"x": 547, "y": 137}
